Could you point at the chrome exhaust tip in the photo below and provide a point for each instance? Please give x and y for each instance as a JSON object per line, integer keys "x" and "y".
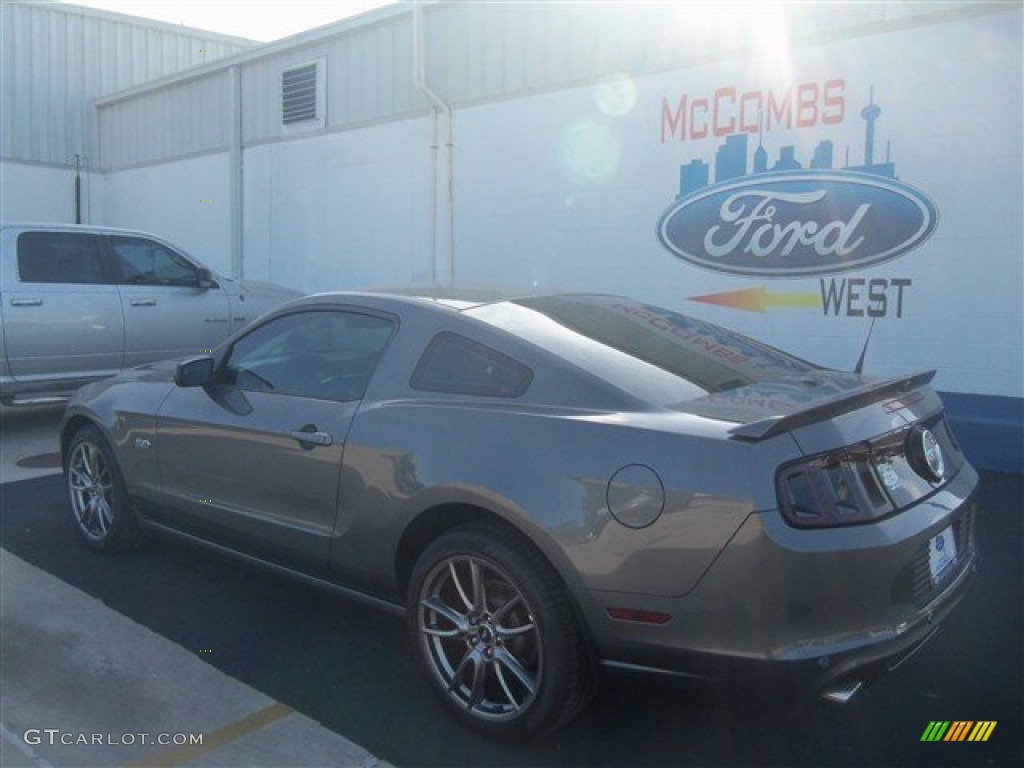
{"x": 842, "y": 692}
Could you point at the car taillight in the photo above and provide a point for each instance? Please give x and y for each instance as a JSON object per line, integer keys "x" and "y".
{"x": 831, "y": 490}
{"x": 858, "y": 484}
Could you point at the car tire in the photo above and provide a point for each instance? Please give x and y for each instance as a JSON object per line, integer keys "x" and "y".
{"x": 494, "y": 631}
{"x": 100, "y": 508}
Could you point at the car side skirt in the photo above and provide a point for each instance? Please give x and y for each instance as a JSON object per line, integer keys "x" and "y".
{"x": 375, "y": 601}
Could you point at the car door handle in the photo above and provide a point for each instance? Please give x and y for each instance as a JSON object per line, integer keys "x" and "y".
{"x": 26, "y": 302}
{"x": 143, "y": 302}
{"x": 309, "y": 437}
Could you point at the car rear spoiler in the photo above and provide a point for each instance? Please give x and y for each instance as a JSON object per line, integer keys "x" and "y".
{"x": 829, "y": 407}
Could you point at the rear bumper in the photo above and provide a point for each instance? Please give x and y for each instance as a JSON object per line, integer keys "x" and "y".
{"x": 874, "y": 657}
{"x": 781, "y": 608}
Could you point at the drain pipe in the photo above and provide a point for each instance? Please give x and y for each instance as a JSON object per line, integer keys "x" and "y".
{"x": 235, "y": 188}
{"x": 438, "y": 107}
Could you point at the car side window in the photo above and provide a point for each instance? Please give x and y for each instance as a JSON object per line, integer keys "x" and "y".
{"x": 145, "y": 262}
{"x": 61, "y": 257}
{"x": 457, "y": 365}
{"x": 321, "y": 354}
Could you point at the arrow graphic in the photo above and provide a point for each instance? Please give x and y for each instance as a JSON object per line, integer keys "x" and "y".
{"x": 760, "y": 299}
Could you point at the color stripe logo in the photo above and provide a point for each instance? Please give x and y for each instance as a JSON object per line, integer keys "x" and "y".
{"x": 958, "y": 730}
{"x": 760, "y": 299}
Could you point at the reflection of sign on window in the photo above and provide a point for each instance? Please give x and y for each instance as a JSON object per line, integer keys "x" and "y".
{"x": 680, "y": 328}
{"x": 711, "y": 340}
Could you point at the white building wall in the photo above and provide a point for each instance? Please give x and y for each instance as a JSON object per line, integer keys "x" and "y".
{"x": 565, "y": 162}
{"x": 565, "y": 190}
{"x": 339, "y": 211}
{"x": 552, "y": 195}
{"x": 43, "y": 193}
{"x": 185, "y": 202}
{"x": 55, "y": 58}
{"x": 34, "y": 193}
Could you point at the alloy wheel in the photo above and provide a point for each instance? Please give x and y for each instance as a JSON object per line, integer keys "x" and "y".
{"x": 91, "y": 485}
{"x": 481, "y": 638}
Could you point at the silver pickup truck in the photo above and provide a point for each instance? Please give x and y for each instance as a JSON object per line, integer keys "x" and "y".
{"x": 78, "y": 303}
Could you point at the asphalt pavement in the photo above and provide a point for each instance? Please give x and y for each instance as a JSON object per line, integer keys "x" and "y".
{"x": 82, "y": 684}
{"x": 170, "y": 640}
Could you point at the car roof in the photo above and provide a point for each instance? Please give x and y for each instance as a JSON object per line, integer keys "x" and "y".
{"x": 444, "y": 298}
{"x": 457, "y": 299}
{"x": 58, "y": 226}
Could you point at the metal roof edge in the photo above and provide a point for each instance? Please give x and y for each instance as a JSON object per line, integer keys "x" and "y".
{"x": 263, "y": 50}
{"x": 73, "y": 9}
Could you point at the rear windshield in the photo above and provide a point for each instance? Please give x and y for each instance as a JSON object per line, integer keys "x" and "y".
{"x": 653, "y": 353}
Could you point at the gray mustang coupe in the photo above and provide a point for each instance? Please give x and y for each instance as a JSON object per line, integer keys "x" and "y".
{"x": 548, "y": 487}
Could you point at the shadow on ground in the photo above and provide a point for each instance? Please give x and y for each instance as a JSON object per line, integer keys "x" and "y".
{"x": 350, "y": 667}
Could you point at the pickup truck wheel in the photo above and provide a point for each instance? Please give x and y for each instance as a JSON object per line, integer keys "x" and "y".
{"x": 492, "y": 627}
{"x": 102, "y": 513}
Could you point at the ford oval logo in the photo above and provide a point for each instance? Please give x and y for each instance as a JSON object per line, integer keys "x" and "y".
{"x": 798, "y": 223}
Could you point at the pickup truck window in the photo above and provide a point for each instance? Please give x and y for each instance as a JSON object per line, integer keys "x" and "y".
{"x": 144, "y": 262}
{"x": 60, "y": 257}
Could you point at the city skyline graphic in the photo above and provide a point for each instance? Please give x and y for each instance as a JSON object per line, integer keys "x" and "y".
{"x": 731, "y": 157}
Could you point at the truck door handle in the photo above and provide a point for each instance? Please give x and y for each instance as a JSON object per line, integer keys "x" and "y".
{"x": 143, "y": 302}
{"x": 308, "y": 436}
{"x": 26, "y": 302}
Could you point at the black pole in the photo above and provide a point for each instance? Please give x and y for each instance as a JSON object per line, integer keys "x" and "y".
{"x": 78, "y": 190}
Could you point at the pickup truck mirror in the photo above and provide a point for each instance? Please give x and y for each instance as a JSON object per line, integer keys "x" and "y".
{"x": 205, "y": 279}
{"x": 194, "y": 372}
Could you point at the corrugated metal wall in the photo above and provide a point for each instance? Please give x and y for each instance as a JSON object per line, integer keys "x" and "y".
{"x": 475, "y": 53}
{"x": 367, "y": 74}
{"x": 55, "y": 59}
{"x": 182, "y": 119}
{"x": 369, "y": 78}
{"x": 493, "y": 50}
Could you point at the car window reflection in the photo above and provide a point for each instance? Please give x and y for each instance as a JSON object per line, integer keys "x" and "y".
{"x": 325, "y": 355}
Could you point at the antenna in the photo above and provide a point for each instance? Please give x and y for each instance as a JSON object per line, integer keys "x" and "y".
{"x": 859, "y": 368}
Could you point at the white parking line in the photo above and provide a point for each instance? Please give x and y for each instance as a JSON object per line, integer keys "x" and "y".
{"x": 19, "y": 743}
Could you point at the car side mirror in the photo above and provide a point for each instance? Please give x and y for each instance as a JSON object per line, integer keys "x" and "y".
{"x": 194, "y": 372}
{"x": 205, "y": 279}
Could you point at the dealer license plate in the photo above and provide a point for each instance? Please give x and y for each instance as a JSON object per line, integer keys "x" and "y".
{"x": 941, "y": 554}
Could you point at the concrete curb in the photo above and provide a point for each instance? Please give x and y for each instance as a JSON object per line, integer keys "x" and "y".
{"x": 83, "y": 685}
